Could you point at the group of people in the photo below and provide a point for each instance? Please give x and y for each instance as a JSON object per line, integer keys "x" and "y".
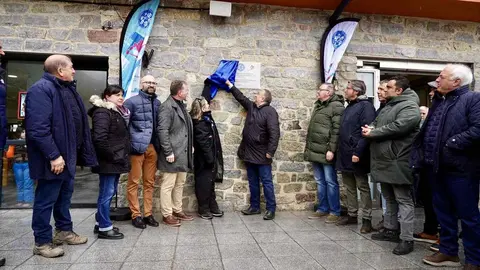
{"x": 408, "y": 150}
{"x": 138, "y": 136}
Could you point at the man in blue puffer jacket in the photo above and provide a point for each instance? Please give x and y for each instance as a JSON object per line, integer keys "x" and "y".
{"x": 143, "y": 108}
{"x": 447, "y": 150}
{"x": 58, "y": 139}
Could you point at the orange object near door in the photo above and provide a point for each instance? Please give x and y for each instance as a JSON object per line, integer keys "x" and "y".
{"x": 11, "y": 151}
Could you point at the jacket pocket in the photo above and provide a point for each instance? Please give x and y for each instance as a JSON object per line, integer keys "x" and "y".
{"x": 119, "y": 153}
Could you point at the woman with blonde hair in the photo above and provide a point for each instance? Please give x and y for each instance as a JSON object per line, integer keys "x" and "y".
{"x": 208, "y": 158}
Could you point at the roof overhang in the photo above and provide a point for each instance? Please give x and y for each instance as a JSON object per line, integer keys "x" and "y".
{"x": 459, "y": 10}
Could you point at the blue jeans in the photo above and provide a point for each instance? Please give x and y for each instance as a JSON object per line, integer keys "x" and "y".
{"x": 263, "y": 173}
{"x": 456, "y": 197}
{"x": 51, "y": 195}
{"x": 21, "y": 173}
{"x": 328, "y": 189}
{"x": 108, "y": 188}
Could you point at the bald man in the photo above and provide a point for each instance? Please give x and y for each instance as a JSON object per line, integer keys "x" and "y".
{"x": 58, "y": 139}
{"x": 143, "y": 119}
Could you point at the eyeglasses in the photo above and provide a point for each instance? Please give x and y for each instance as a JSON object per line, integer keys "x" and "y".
{"x": 150, "y": 83}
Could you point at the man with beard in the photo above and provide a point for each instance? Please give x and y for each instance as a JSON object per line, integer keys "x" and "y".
{"x": 143, "y": 118}
{"x": 391, "y": 136}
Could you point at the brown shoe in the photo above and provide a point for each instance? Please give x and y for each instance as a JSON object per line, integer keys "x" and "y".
{"x": 70, "y": 238}
{"x": 425, "y": 237}
{"x": 318, "y": 215}
{"x": 183, "y": 216}
{"x": 171, "y": 221}
{"x": 332, "y": 219}
{"x": 440, "y": 259}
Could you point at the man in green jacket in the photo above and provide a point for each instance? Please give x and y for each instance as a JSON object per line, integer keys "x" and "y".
{"x": 320, "y": 149}
{"x": 391, "y": 136}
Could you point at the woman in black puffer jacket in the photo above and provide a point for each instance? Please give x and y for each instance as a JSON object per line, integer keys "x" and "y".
{"x": 208, "y": 160}
{"x": 111, "y": 139}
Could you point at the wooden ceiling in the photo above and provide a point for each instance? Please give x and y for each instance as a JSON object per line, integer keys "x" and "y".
{"x": 459, "y": 10}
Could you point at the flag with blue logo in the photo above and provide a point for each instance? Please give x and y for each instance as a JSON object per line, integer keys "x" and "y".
{"x": 135, "y": 33}
{"x": 335, "y": 42}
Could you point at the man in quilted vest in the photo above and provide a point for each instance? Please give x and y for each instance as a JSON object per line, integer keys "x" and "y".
{"x": 143, "y": 109}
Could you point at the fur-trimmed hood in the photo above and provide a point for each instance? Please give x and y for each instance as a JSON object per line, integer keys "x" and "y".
{"x": 99, "y": 102}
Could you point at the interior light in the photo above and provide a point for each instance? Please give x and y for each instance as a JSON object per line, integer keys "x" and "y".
{"x": 12, "y": 76}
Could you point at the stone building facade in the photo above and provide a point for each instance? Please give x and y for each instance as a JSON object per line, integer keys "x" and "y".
{"x": 188, "y": 45}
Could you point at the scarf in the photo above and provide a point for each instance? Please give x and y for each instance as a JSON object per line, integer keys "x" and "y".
{"x": 125, "y": 113}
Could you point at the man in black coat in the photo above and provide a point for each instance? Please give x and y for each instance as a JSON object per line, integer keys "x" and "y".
{"x": 353, "y": 154}
{"x": 259, "y": 142}
{"x": 446, "y": 149}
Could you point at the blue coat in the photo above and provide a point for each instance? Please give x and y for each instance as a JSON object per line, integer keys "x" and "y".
{"x": 142, "y": 120}
{"x": 3, "y": 111}
{"x": 456, "y": 146}
{"x": 359, "y": 112}
{"x": 50, "y": 130}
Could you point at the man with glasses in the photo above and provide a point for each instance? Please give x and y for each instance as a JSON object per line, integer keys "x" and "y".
{"x": 320, "y": 149}
{"x": 143, "y": 108}
{"x": 175, "y": 158}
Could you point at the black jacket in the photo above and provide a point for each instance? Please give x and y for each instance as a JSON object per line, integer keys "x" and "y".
{"x": 261, "y": 131}
{"x": 110, "y": 137}
{"x": 208, "y": 149}
{"x": 359, "y": 112}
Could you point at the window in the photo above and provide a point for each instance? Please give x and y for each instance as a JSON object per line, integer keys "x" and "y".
{"x": 23, "y": 70}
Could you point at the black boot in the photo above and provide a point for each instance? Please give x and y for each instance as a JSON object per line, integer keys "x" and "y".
{"x": 269, "y": 215}
{"x": 346, "y": 220}
{"x": 387, "y": 235}
{"x": 150, "y": 221}
{"x": 251, "y": 211}
{"x": 2, "y": 261}
{"x": 138, "y": 223}
{"x": 111, "y": 235}
{"x": 366, "y": 226}
{"x": 403, "y": 248}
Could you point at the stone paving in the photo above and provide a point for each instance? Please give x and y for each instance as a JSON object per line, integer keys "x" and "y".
{"x": 234, "y": 241}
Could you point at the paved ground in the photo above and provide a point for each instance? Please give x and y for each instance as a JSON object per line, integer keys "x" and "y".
{"x": 232, "y": 242}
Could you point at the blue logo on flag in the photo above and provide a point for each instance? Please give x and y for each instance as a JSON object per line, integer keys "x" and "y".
{"x": 145, "y": 18}
{"x": 241, "y": 67}
{"x": 338, "y": 38}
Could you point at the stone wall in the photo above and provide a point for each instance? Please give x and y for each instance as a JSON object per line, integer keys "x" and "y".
{"x": 188, "y": 45}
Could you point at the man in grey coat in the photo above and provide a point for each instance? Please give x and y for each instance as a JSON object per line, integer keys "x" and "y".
{"x": 175, "y": 157}
{"x": 391, "y": 136}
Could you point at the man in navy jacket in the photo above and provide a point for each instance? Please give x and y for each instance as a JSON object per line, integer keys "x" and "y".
{"x": 447, "y": 150}
{"x": 58, "y": 139}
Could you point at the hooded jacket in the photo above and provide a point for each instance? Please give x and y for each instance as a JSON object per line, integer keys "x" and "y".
{"x": 391, "y": 139}
{"x": 324, "y": 129}
{"x": 110, "y": 137}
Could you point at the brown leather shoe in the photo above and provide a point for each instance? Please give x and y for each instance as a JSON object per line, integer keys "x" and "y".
{"x": 183, "y": 216}
{"x": 440, "y": 259}
{"x": 171, "y": 221}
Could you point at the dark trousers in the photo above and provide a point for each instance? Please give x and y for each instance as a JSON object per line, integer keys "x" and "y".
{"x": 456, "y": 197}
{"x": 424, "y": 193}
{"x": 51, "y": 195}
{"x": 257, "y": 173}
{"x": 205, "y": 191}
{"x": 107, "y": 188}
